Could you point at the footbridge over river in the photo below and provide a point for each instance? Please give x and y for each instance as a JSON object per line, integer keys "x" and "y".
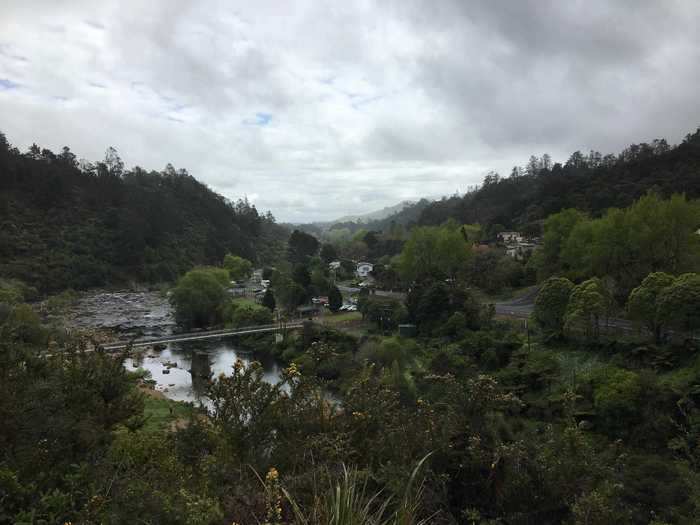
{"x": 196, "y": 336}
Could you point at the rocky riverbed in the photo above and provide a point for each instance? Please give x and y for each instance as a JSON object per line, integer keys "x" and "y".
{"x": 180, "y": 370}
{"x": 129, "y": 314}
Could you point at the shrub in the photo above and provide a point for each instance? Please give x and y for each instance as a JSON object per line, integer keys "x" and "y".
{"x": 551, "y": 303}
{"x": 199, "y": 297}
{"x": 249, "y": 315}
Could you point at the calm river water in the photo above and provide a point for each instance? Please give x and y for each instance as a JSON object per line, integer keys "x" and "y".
{"x": 182, "y": 369}
{"x": 194, "y": 362}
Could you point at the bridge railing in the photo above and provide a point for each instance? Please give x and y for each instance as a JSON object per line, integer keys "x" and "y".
{"x": 204, "y": 334}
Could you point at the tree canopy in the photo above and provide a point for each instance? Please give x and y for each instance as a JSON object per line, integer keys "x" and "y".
{"x": 552, "y": 302}
{"x": 70, "y": 225}
{"x": 643, "y": 303}
{"x": 335, "y": 299}
{"x": 590, "y": 182}
{"x": 199, "y": 297}
{"x": 589, "y": 303}
{"x": 434, "y": 252}
{"x": 679, "y": 303}
{"x": 238, "y": 268}
{"x": 301, "y": 247}
{"x": 652, "y": 235}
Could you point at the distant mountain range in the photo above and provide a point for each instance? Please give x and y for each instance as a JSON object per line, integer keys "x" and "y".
{"x": 375, "y": 215}
{"x": 404, "y": 213}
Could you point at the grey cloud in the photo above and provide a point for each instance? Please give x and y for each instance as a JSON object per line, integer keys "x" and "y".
{"x": 560, "y": 74}
{"x": 371, "y": 103}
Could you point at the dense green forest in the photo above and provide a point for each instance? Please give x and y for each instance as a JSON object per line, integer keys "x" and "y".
{"x": 65, "y": 224}
{"x": 590, "y": 182}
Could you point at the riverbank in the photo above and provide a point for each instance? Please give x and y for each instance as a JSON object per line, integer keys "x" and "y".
{"x": 162, "y": 413}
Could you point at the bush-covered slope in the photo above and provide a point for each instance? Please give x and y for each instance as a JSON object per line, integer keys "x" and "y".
{"x": 65, "y": 225}
{"x": 591, "y": 183}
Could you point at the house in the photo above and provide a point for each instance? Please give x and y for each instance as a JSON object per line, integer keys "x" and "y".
{"x": 510, "y": 237}
{"x": 520, "y": 250}
{"x": 364, "y": 269}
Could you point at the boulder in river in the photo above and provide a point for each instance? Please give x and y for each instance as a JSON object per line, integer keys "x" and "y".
{"x": 166, "y": 370}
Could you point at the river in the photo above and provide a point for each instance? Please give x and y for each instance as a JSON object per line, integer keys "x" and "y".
{"x": 181, "y": 370}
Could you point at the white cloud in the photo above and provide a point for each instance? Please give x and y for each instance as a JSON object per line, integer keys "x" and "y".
{"x": 316, "y": 110}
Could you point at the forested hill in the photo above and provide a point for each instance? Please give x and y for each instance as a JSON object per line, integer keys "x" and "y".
{"x": 589, "y": 182}
{"x": 407, "y": 216}
{"x": 65, "y": 225}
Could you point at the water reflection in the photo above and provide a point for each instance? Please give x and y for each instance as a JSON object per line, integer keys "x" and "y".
{"x": 182, "y": 370}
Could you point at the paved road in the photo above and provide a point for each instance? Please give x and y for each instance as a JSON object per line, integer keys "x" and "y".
{"x": 520, "y": 307}
{"x": 523, "y": 306}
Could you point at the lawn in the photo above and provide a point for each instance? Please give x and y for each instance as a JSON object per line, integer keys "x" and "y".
{"x": 243, "y": 301}
{"x": 341, "y": 318}
{"x": 161, "y": 412}
{"x": 347, "y": 322}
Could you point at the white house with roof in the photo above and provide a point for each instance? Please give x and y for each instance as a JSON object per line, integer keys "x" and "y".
{"x": 510, "y": 237}
{"x": 364, "y": 269}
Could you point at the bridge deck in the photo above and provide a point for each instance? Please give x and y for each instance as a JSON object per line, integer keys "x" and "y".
{"x": 195, "y": 336}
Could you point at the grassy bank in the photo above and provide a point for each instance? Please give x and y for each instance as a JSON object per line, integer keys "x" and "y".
{"x": 161, "y": 413}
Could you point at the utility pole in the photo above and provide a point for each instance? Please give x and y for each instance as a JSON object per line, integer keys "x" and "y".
{"x": 527, "y": 329}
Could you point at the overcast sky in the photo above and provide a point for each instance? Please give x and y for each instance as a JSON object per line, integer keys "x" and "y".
{"x": 320, "y": 109}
